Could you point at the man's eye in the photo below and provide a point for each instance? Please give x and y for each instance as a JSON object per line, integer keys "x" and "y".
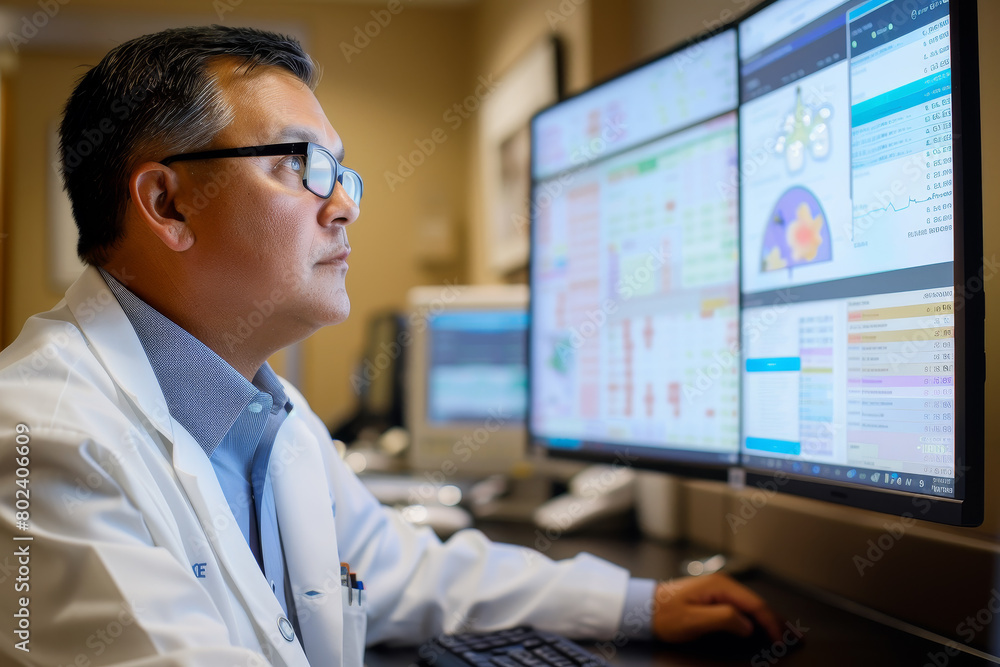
{"x": 294, "y": 162}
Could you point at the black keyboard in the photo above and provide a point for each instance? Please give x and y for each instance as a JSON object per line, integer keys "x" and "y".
{"x": 516, "y": 647}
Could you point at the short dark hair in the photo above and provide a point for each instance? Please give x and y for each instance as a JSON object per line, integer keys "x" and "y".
{"x": 150, "y": 97}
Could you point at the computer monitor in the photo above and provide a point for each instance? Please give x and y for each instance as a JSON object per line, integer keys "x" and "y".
{"x": 634, "y": 341}
{"x": 861, "y": 248}
{"x": 765, "y": 248}
{"x": 466, "y": 379}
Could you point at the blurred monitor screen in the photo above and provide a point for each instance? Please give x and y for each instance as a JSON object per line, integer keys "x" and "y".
{"x": 476, "y": 366}
{"x": 467, "y": 378}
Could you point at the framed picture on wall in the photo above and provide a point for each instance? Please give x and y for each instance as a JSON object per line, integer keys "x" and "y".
{"x": 532, "y": 83}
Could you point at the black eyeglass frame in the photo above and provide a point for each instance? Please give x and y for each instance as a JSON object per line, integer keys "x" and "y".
{"x": 303, "y": 148}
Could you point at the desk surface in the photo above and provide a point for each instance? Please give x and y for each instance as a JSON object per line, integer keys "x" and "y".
{"x": 834, "y": 636}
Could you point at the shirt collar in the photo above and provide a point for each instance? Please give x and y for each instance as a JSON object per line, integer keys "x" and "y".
{"x": 204, "y": 393}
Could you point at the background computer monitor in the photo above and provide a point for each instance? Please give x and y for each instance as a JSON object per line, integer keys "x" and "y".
{"x": 466, "y": 379}
{"x": 634, "y": 342}
{"x": 861, "y": 247}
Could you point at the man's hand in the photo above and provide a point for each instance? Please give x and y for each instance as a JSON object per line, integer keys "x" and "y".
{"x": 690, "y": 607}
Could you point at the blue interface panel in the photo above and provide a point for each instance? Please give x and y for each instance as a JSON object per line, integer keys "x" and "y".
{"x": 847, "y": 244}
{"x": 477, "y": 366}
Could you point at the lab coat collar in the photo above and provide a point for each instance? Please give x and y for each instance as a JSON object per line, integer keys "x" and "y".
{"x": 104, "y": 324}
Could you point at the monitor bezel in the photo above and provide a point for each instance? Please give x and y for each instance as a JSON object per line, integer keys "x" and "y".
{"x": 970, "y": 374}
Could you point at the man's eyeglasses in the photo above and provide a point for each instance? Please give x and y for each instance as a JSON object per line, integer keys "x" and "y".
{"x": 321, "y": 173}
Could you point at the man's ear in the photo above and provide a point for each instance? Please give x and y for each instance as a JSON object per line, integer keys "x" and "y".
{"x": 154, "y": 188}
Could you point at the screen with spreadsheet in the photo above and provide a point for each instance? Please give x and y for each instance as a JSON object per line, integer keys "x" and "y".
{"x": 634, "y": 345}
{"x": 848, "y": 245}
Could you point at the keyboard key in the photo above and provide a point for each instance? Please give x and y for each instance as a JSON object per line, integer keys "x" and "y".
{"x": 512, "y": 647}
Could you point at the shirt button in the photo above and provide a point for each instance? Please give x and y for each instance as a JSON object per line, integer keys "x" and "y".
{"x": 285, "y": 627}
{"x": 255, "y": 407}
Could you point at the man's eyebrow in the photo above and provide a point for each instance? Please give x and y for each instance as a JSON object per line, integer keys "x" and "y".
{"x": 298, "y": 133}
{"x": 302, "y": 133}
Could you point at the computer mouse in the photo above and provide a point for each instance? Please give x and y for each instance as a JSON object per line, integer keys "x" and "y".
{"x": 757, "y": 648}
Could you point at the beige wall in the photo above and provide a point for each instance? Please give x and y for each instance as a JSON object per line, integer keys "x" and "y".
{"x": 504, "y": 30}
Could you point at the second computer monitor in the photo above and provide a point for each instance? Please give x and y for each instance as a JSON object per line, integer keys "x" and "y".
{"x": 467, "y": 379}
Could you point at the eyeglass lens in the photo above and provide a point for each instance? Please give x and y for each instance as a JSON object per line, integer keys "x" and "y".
{"x": 320, "y": 175}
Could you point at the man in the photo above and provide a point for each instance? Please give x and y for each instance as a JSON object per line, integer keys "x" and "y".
{"x": 181, "y": 504}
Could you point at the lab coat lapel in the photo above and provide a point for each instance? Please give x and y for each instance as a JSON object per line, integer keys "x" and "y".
{"x": 305, "y": 520}
{"x": 111, "y": 336}
{"x": 199, "y": 480}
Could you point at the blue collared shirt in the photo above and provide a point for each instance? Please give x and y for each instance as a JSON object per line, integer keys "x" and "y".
{"x": 234, "y": 421}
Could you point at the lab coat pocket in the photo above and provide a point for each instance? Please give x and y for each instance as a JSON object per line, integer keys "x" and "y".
{"x": 355, "y": 627}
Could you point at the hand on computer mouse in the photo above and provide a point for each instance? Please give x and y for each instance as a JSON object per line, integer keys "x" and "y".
{"x": 689, "y": 607}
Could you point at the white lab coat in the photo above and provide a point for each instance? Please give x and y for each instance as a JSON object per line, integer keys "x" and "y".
{"x": 136, "y": 558}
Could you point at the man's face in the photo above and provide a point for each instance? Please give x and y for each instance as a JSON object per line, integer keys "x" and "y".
{"x": 260, "y": 236}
